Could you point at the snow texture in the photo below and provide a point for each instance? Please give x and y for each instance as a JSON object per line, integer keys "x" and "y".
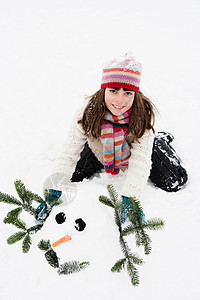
{"x": 50, "y": 57}
{"x": 127, "y": 60}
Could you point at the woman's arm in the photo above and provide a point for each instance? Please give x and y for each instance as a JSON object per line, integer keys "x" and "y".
{"x": 66, "y": 162}
{"x": 139, "y": 166}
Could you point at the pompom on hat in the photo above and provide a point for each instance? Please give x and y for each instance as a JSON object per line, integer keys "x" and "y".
{"x": 124, "y": 72}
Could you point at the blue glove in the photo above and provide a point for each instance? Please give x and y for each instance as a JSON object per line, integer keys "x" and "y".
{"x": 126, "y": 200}
{"x": 42, "y": 208}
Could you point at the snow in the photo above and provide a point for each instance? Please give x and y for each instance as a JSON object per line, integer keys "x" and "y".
{"x": 50, "y": 58}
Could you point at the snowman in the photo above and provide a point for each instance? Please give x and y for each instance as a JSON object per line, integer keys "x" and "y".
{"x": 84, "y": 230}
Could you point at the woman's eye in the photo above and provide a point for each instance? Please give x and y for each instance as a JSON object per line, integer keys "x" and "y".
{"x": 60, "y": 218}
{"x": 80, "y": 224}
{"x": 129, "y": 94}
{"x": 113, "y": 91}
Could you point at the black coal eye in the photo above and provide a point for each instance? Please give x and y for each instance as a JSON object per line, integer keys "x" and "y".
{"x": 80, "y": 224}
{"x": 60, "y": 218}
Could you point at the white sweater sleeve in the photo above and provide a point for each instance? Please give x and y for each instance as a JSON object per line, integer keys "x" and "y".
{"x": 139, "y": 166}
{"x": 66, "y": 162}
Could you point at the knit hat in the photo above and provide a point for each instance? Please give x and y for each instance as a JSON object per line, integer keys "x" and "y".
{"x": 124, "y": 72}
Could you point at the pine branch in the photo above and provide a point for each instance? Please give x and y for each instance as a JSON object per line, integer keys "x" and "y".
{"x": 26, "y": 243}
{"x": 118, "y": 220}
{"x": 105, "y": 200}
{"x": 135, "y": 211}
{"x": 112, "y": 192}
{"x": 119, "y": 205}
{"x": 154, "y": 224}
{"x": 50, "y": 254}
{"x": 72, "y": 267}
{"x": 135, "y": 259}
{"x": 124, "y": 247}
{"x": 14, "y": 214}
{"x": 135, "y": 215}
{"x": 33, "y": 197}
{"x": 133, "y": 273}
{"x": 128, "y": 230}
{"x": 119, "y": 265}
{"x": 83, "y": 265}
{"x": 52, "y": 258}
{"x": 12, "y": 218}
{"x": 31, "y": 210}
{"x": 142, "y": 238}
{"x": 129, "y": 259}
{"x": 21, "y": 190}
{"x": 16, "y": 237}
{"x": 26, "y": 199}
{"x": 44, "y": 245}
{"x": 16, "y": 222}
{"x": 146, "y": 242}
{"x": 34, "y": 229}
{"x": 9, "y": 199}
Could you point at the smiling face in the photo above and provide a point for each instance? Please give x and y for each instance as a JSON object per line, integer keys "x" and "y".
{"x": 118, "y": 100}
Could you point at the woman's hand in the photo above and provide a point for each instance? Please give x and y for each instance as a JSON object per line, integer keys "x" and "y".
{"x": 126, "y": 202}
{"x": 53, "y": 196}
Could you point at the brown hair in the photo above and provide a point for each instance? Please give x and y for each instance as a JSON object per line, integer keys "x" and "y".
{"x": 141, "y": 118}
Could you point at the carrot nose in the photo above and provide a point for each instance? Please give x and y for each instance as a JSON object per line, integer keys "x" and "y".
{"x": 64, "y": 239}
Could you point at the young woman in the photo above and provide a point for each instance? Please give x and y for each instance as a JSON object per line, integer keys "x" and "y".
{"x": 113, "y": 132}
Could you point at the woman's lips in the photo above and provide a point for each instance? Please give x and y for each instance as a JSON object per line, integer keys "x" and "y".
{"x": 118, "y": 107}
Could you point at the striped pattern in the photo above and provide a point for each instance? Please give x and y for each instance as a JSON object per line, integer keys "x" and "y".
{"x": 116, "y": 151}
{"x": 124, "y": 72}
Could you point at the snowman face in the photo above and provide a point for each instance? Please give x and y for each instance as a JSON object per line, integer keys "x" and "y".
{"x": 83, "y": 230}
{"x": 66, "y": 228}
{"x": 60, "y": 218}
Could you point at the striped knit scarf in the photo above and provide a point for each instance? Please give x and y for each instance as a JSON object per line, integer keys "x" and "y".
{"x": 116, "y": 151}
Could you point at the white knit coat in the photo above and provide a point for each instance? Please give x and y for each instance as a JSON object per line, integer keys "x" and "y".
{"x": 139, "y": 161}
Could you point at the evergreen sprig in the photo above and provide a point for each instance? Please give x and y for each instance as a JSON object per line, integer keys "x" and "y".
{"x": 72, "y": 267}
{"x": 105, "y": 200}
{"x": 25, "y": 195}
{"x": 44, "y": 245}
{"x": 25, "y": 234}
{"x": 52, "y": 259}
{"x": 5, "y": 198}
{"x": 119, "y": 265}
{"x": 127, "y": 262}
{"x": 16, "y": 237}
{"x": 113, "y": 193}
{"x": 26, "y": 244}
{"x": 16, "y": 222}
{"x": 135, "y": 227}
{"x": 26, "y": 199}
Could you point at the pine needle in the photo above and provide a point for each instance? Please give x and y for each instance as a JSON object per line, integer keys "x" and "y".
{"x": 44, "y": 245}
{"x": 52, "y": 258}
{"x": 105, "y": 200}
{"x": 16, "y": 237}
{"x": 119, "y": 265}
{"x": 154, "y": 224}
{"x": 9, "y": 199}
{"x": 26, "y": 244}
{"x": 72, "y": 267}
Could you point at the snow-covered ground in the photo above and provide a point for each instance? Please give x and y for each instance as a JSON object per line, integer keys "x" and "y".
{"x": 50, "y": 58}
